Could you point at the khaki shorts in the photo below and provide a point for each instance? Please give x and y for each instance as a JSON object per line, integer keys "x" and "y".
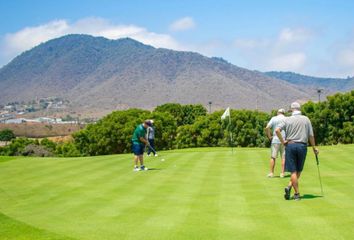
{"x": 277, "y": 148}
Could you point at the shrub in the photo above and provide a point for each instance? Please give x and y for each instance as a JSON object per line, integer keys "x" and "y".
{"x": 37, "y": 151}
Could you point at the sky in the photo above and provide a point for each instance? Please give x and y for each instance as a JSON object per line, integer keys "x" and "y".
{"x": 311, "y": 37}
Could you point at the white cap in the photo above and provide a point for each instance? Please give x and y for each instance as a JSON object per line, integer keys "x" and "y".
{"x": 152, "y": 121}
{"x": 281, "y": 110}
{"x": 295, "y": 105}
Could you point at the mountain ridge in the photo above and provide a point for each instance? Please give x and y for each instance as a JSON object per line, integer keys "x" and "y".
{"x": 331, "y": 85}
{"x": 102, "y": 74}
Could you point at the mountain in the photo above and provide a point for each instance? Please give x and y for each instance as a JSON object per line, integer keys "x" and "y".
{"x": 97, "y": 74}
{"x": 329, "y": 85}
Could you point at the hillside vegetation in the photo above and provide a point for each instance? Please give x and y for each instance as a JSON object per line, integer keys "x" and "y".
{"x": 186, "y": 126}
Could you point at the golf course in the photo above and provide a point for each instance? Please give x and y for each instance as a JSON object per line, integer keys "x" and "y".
{"x": 200, "y": 193}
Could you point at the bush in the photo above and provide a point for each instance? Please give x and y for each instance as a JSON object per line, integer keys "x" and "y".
{"x": 37, "y": 151}
{"x": 48, "y": 144}
{"x": 67, "y": 150}
{"x": 16, "y": 147}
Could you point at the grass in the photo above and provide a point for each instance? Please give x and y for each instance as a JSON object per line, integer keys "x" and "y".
{"x": 188, "y": 194}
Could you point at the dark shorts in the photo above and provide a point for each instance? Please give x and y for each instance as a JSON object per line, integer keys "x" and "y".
{"x": 138, "y": 149}
{"x": 295, "y": 155}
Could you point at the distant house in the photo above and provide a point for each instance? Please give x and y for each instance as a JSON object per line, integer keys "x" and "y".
{"x": 15, "y": 120}
{"x": 9, "y": 107}
{"x": 11, "y": 118}
{"x": 6, "y": 116}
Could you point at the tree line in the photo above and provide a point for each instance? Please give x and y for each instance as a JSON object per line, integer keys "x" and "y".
{"x": 187, "y": 126}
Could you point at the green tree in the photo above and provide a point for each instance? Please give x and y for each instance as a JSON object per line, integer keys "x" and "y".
{"x": 184, "y": 114}
{"x": 175, "y": 109}
{"x": 113, "y": 133}
{"x": 192, "y": 112}
{"x": 7, "y": 135}
{"x": 332, "y": 120}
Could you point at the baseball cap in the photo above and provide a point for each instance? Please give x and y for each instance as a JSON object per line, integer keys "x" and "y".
{"x": 295, "y": 105}
{"x": 147, "y": 122}
{"x": 281, "y": 110}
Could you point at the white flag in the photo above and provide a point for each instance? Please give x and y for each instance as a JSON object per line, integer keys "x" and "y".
{"x": 226, "y": 113}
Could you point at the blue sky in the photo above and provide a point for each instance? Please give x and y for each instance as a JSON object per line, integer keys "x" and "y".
{"x": 310, "y": 37}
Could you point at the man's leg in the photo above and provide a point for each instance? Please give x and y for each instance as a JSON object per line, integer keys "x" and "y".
{"x": 282, "y": 167}
{"x": 149, "y": 149}
{"x": 294, "y": 181}
{"x": 271, "y": 167}
{"x": 282, "y": 155}
{"x": 273, "y": 156}
{"x": 136, "y": 161}
{"x": 301, "y": 151}
{"x": 141, "y": 160}
{"x": 152, "y": 144}
{"x": 290, "y": 156}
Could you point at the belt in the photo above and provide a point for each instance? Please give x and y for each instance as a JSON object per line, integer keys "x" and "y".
{"x": 292, "y": 142}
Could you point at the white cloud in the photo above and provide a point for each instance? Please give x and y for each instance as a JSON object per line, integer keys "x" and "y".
{"x": 344, "y": 55}
{"x": 286, "y": 51}
{"x": 340, "y": 61}
{"x": 297, "y": 35}
{"x": 182, "y": 24}
{"x": 292, "y": 61}
{"x": 15, "y": 43}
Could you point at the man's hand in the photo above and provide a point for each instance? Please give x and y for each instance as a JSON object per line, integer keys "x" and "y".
{"x": 315, "y": 150}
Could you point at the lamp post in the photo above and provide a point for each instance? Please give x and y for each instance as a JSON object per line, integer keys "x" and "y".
{"x": 210, "y": 107}
{"x": 319, "y": 91}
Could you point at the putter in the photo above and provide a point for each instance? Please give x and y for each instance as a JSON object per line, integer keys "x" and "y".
{"x": 319, "y": 175}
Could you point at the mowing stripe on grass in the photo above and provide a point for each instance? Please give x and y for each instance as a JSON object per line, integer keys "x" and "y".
{"x": 206, "y": 193}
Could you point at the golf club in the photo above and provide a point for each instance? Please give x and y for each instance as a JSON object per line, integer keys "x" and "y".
{"x": 152, "y": 148}
{"x": 319, "y": 175}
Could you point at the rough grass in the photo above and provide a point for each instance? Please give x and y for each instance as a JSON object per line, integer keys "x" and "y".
{"x": 188, "y": 194}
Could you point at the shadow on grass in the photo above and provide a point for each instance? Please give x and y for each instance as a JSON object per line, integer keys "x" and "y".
{"x": 310, "y": 196}
{"x": 285, "y": 176}
{"x": 154, "y": 169}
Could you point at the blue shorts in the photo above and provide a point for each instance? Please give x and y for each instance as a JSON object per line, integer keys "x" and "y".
{"x": 295, "y": 155}
{"x": 138, "y": 149}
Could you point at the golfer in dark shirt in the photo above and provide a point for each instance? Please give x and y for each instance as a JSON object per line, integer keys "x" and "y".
{"x": 138, "y": 145}
{"x": 299, "y": 132}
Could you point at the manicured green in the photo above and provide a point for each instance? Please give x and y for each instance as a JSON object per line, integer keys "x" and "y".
{"x": 205, "y": 193}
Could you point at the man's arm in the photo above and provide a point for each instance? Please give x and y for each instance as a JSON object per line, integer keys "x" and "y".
{"x": 278, "y": 132}
{"x": 312, "y": 138}
{"x": 144, "y": 140}
{"x": 269, "y": 134}
{"x": 313, "y": 144}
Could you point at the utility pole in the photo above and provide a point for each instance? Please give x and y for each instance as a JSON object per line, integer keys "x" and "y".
{"x": 210, "y": 107}
{"x": 319, "y": 91}
{"x": 257, "y": 100}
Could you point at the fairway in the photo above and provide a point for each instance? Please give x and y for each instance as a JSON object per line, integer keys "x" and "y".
{"x": 204, "y": 193}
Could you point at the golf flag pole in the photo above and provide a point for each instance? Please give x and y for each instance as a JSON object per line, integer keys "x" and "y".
{"x": 318, "y": 170}
{"x": 227, "y": 114}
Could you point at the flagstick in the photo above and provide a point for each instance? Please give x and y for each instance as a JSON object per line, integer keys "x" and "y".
{"x": 227, "y": 114}
{"x": 231, "y": 140}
